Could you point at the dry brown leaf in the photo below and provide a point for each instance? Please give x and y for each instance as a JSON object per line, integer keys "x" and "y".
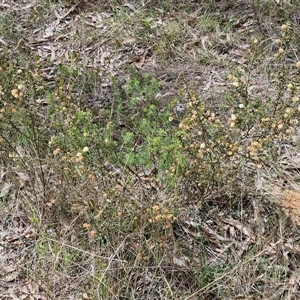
{"x": 294, "y": 284}
{"x": 295, "y": 277}
{"x": 4, "y": 189}
{"x": 291, "y": 203}
{"x": 2, "y": 41}
{"x": 29, "y": 290}
{"x": 104, "y": 56}
{"x": 295, "y": 249}
{"x": 271, "y": 249}
{"x": 140, "y": 62}
{"x": 2, "y": 173}
{"x": 182, "y": 262}
{"x": 49, "y": 32}
{"x": 130, "y": 6}
{"x": 244, "y": 246}
{"x": 129, "y": 41}
{"x": 10, "y": 273}
{"x": 241, "y": 227}
{"x": 209, "y": 232}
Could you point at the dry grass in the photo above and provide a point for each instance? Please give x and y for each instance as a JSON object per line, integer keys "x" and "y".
{"x": 108, "y": 190}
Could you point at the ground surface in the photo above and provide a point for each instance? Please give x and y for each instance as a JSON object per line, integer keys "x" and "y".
{"x": 148, "y": 150}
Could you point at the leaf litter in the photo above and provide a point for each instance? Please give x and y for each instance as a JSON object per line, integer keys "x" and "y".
{"x": 64, "y": 30}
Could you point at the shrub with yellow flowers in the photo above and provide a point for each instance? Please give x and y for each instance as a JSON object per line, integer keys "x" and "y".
{"x": 226, "y": 145}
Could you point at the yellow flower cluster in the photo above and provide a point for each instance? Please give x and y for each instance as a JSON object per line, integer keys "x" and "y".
{"x": 254, "y": 149}
{"x": 236, "y": 81}
{"x": 18, "y": 92}
{"x": 162, "y": 215}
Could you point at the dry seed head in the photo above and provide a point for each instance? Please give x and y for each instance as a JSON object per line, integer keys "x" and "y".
{"x": 193, "y": 97}
{"x": 233, "y": 78}
{"x": 256, "y": 144}
{"x": 202, "y": 146}
{"x": 294, "y": 122}
{"x": 78, "y": 159}
{"x": 167, "y": 226}
{"x": 15, "y": 93}
{"x": 233, "y": 117}
{"x": 56, "y": 151}
{"x": 155, "y": 207}
{"x": 86, "y": 225}
{"x": 92, "y": 234}
{"x": 200, "y": 153}
{"x": 212, "y": 117}
{"x": 243, "y": 80}
{"x": 158, "y": 217}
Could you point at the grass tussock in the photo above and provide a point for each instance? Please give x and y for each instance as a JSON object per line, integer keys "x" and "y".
{"x": 148, "y": 151}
